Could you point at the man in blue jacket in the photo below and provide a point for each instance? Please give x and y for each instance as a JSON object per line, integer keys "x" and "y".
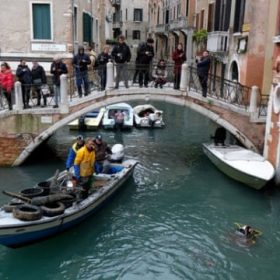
{"x": 73, "y": 151}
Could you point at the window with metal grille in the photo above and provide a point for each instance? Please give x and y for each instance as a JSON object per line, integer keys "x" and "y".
{"x": 138, "y": 15}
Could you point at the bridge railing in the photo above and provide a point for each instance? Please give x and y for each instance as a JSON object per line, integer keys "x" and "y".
{"x": 226, "y": 90}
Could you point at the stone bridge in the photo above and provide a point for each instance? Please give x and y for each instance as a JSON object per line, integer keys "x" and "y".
{"x": 22, "y": 131}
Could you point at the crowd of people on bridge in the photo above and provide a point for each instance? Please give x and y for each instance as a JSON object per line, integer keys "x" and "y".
{"x": 90, "y": 69}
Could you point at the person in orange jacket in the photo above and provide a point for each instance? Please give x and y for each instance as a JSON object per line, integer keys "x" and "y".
{"x": 7, "y": 82}
{"x": 84, "y": 166}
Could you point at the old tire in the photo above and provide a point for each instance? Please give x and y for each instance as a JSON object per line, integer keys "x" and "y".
{"x": 53, "y": 209}
{"x": 8, "y": 208}
{"x": 32, "y": 192}
{"x": 27, "y": 212}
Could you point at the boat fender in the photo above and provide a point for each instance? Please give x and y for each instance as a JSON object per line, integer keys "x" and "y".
{"x": 27, "y": 212}
{"x": 53, "y": 209}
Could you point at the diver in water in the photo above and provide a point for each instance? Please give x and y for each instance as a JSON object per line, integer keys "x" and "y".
{"x": 247, "y": 231}
{"x": 247, "y": 234}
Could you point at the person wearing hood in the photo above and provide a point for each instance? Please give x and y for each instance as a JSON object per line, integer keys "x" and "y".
{"x": 58, "y": 67}
{"x": 7, "y": 82}
{"x": 178, "y": 57}
{"x": 25, "y": 78}
{"x": 80, "y": 62}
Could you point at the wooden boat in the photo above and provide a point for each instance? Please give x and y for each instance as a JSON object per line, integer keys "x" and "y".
{"x": 108, "y": 121}
{"x": 142, "y": 115}
{"x": 89, "y": 121}
{"x": 15, "y": 232}
{"x": 240, "y": 164}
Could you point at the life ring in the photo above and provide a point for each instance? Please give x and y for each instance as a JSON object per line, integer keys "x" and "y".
{"x": 32, "y": 192}
{"x": 27, "y": 212}
{"x": 276, "y": 99}
{"x": 53, "y": 209}
{"x": 8, "y": 208}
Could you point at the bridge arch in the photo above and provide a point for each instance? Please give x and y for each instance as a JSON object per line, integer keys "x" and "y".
{"x": 173, "y": 97}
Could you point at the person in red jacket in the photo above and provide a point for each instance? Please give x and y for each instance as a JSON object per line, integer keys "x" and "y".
{"x": 7, "y": 82}
{"x": 178, "y": 57}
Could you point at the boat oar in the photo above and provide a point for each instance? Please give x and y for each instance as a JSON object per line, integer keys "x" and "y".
{"x": 18, "y": 196}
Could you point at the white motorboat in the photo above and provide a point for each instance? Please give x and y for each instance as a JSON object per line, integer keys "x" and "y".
{"x": 33, "y": 220}
{"x": 89, "y": 121}
{"x": 240, "y": 164}
{"x": 108, "y": 121}
{"x": 147, "y": 116}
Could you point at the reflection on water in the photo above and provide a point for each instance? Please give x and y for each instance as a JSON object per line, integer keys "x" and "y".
{"x": 173, "y": 220}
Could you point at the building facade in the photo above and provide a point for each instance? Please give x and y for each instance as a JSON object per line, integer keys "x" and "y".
{"x": 44, "y": 28}
{"x": 131, "y": 20}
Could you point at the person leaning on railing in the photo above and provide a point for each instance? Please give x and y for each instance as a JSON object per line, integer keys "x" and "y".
{"x": 7, "y": 82}
{"x": 203, "y": 67}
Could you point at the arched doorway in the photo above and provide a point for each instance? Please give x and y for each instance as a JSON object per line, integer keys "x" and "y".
{"x": 234, "y": 72}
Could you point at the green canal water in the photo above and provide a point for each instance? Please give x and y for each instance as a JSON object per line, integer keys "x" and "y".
{"x": 173, "y": 220}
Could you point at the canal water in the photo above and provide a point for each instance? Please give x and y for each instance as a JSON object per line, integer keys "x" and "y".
{"x": 173, "y": 220}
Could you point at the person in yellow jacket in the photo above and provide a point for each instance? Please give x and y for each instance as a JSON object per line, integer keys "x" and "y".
{"x": 84, "y": 165}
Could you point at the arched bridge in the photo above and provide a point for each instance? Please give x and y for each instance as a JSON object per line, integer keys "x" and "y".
{"x": 21, "y": 131}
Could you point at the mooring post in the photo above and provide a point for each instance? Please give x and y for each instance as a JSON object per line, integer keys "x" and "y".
{"x": 184, "y": 78}
{"x": 253, "y": 108}
{"x": 110, "y": 75}
{"x": 18, "y": 97}
{"x": 64, "y": 105}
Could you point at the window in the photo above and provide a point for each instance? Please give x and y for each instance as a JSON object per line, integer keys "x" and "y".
{"x": 187, "y": 8}
{"x": 210, "y": 17}
{"x": 87, "y": 28}
{"x": 136, "y": 35}
{"x": 138, "y": 15}
{"x": 222, "y": 15}
{"x": 41, "y": 15}
{"x": 239, "y": 15}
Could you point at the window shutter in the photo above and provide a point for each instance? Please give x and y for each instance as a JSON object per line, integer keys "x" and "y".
{"x": 41, "y": 21}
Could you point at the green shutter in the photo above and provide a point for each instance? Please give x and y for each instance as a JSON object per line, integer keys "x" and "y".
{"x": 41, "y": 21}
{"x": 87, "y": 28}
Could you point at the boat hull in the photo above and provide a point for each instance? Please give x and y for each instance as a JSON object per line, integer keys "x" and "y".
{"x": 23, "y": 233}
{"x": 236, "y": 174}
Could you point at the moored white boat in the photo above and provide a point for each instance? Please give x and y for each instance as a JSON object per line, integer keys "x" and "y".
{"x": 142, "y": 115}
{"x": 89, "y": 121}
{"x": 108, "y": 121}
{"x": 240, "y": 164}
{"x": 16, "y": 233}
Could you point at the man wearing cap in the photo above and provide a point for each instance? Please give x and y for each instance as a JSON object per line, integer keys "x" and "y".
{"x": 102, "y": 150}
{"x": 73, "y": 151}
{"x": 84, "y": 166}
